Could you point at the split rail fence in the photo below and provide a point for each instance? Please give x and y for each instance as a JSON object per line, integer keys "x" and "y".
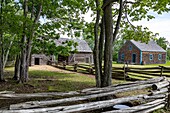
{"x": 126, "y": 72}
{"x": 152, "y": 94}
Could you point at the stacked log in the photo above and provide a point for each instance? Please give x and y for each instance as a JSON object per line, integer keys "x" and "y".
{"x": 154, "y": 99}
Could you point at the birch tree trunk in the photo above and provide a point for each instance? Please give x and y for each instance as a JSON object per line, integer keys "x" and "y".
{"x": 7, "y": 52}
{"x": 29, "y": 42}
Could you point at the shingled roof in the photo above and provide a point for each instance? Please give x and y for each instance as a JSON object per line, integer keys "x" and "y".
{"x": 82, "y": 44}
{"x": 150, "y": 46}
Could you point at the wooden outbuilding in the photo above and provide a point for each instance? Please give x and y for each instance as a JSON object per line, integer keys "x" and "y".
{"x": 84, "y": 54}
{"x": 136, "y": 52}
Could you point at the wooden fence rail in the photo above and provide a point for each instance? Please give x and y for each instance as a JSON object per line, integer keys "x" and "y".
{"x": 145, "y": 73}
{"x": 155, "y": 97}
{"x": 125, "y": 72}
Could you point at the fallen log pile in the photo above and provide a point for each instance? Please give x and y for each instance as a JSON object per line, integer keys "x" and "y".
{"x": 86, "y": 100}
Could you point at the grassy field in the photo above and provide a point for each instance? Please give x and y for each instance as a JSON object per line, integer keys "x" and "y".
{"x": 45, "y": 79}
{"x": 49, "y": 79}
{"x": 147, "y": 65}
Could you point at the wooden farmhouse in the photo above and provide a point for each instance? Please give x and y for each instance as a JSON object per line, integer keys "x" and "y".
{"x": 135, "y": 52}
{"x": 84, "y": 54}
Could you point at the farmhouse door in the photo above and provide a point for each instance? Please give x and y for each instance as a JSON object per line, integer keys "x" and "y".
{"x": 134, "y": 58}
{"x": 37, "y": 61}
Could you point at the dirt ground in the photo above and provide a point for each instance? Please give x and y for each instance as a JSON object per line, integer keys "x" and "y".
{"x": 48, "y": 68}
{"x": 52, "y": 68}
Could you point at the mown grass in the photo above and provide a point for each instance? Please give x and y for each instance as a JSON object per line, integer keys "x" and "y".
{"x": 48, "y": 81}
{"x": 114, "y": 64}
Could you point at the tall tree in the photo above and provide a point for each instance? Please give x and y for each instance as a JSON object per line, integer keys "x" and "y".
{"x": 8, "y": 30}
{"x": 162, "y": 42}
{"x": 129, "y": 11}
{"x": 62, "y": 17}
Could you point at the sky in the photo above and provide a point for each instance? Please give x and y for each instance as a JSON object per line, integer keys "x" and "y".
{"x": 161, "y": 24}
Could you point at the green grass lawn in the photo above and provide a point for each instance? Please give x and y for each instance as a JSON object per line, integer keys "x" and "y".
{"x": 49, "y": 81}
{"x": 114, "y": 64}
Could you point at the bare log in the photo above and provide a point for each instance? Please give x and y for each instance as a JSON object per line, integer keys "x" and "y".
{"x": 51, "y": 94}
{"x": 164, "y": 90}
{"x": 87, "y": 106}
{"x": 160, "y": 85}
{"x": 160, "y": 96}
{"x": 38, "y": 110}
{"x": 140, "y": 108}
{"x": 7, "y": 92}
{"x": 115, "y": 89}
{"x": 120, "y": 86}
{"x": 34, "y": 104}
{"x": 153, "y": 109}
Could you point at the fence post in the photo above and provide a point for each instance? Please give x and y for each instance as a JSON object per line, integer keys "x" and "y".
{"x": 64, "y": 64}
{"x": 161, "y": 70}
{"x": 75, "y": 67}
{"x": 91, "y": 70}
{"x": 124, "y": 70}
{"x": 168, "y": 100}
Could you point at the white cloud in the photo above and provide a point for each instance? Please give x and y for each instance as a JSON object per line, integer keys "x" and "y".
{"x": 161, "y": 25}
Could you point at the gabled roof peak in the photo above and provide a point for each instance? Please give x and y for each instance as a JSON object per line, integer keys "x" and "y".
{"x": 150, "y": 46}
{"x": 82, "y": 44}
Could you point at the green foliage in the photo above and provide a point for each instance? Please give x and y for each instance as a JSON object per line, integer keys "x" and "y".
{"x": 117, "y": 45}
{"x": 45, "y": 45}
{"x": 136, "y": 11}
{"x": 168, "y": 54}
{"x": 88, "y": 34}
{"x": 162, "y": 42}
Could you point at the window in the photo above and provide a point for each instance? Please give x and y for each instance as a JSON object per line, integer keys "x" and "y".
{"x": 151, "y": 56}
{"x": 130, "y": 47}
{"x": 159, "y": 56}
{"x": 122, "y": 56}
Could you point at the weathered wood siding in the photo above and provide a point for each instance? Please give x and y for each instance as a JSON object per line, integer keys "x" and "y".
{"x": 156, "y": 60}
{"x": 42, "y": 59}
{"x": 81, "y": 57}
{"x": 128, "y": 53}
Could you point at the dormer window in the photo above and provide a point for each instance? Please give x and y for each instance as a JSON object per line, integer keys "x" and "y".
{"x": 130, "y": 47}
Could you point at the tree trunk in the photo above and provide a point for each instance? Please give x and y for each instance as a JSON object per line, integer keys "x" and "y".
{"x": 118, "y": 20}
{"x": 96, "y": 48}
{"x": 7, "y": 52}
{"x": 1, "y": 44}
{"x": 101, "y": 45}
{"x": 108, "y": 45}
{"x": 29, "y": 46}
{"x": 1, "y": 67}
{"x": 1, "y": 58}
{"x": 17, "y": 68}
{"x": 29, "y": 41}
{"x": 23, "y": 47}
{"x": 23, "y": 61}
